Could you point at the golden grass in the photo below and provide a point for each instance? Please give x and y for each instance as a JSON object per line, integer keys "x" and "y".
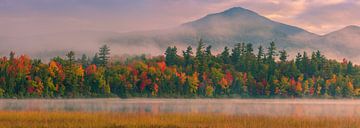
{"x": 33, "y": 119}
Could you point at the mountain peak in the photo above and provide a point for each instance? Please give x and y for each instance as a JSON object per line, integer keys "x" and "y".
{"x": 352, "y": 27}
{"x": 237, "y": 10}
{"x": 348, "y": 29}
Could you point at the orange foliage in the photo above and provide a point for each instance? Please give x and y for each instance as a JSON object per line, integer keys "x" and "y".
{"x": 182, "y": 77}
{"x": 162, "y": 65}
{"x": 56, "y": 69}
{"x": 299, "y": 86}
{"x": 80, "y": 71}
{"x": 20, "y": 66}
{"x": 224, "y": 83}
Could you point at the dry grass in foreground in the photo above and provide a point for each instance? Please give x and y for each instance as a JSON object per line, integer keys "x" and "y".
{"x": 10, "y": 119}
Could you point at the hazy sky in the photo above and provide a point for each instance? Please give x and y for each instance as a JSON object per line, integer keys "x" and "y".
{"x": 39, "y": 17}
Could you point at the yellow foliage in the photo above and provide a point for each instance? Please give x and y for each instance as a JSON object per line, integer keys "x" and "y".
{"x": 299, "y": 87}
{"x": 209, "y": 91}
{"x": 194, "y": 82}
{"x": 53, "y": 68}
{"x": 79, "y": 71}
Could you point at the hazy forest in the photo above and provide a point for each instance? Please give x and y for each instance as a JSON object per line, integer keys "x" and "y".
{"x": 235, "y": 72}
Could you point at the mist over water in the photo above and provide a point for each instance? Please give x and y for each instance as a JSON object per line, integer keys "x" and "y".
{"x": 265, "y": 107}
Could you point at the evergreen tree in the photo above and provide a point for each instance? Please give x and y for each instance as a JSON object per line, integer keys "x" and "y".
{"x": 188, "y": 56}
{"x": 283, "y": 56}
{"x": 260, "y": 54}
{"x": 71, "y": 57}
{"x": 104, "y": 55}
{"x": 271, "y": 53}
{"x": 298, "y": 61}
{"x": 305, "y": 63}
{"x": 96, "y": 60}
{"x": 171, "y": 57}
{"x": 84, "y": 60}
{"x": 225, "y": 56}
{"x": 349, "y": 68}
{"x": 200, "y": 50}
{"x": 235, "y": 55}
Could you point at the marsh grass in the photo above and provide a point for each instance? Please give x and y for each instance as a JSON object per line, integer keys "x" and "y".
{"x": 36, "y": 119}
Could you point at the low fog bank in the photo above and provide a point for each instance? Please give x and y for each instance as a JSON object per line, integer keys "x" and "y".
{"x": 152, "y": 43}
{"x": 266, "y": 107}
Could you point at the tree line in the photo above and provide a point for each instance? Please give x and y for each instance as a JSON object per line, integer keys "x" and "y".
{"x": 235, "y": 72}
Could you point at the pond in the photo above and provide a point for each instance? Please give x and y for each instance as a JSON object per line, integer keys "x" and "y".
{"x": 266, "y": 107}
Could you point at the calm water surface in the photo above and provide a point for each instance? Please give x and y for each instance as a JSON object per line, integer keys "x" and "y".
{"x": 269, "y": 107}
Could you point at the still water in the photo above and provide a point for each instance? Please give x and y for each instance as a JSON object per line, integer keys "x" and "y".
{"x": 268, "y": 107}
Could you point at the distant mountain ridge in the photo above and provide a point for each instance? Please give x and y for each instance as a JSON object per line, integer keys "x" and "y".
{"x": 237, "y": 25}
{"x": 226, "y": 28}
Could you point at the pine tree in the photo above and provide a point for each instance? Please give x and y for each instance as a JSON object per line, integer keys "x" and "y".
{"x": 84, "y": 60}
{"x": 305, "y": 63}
{"x": 224, "y": 56}
{"x": 200, "y": 50}
{"x": 283, "y": 56}
{"x": 235, "y": 55}
{"x": 96, "y": 60}
{"x": 188, "y": 56}
{"x": 104, "y": 55}
{"x": 271, "y": 53}
{"x": 298, "y": 61}
{"x": 260, "y": 54}
{"x": 171, "y": 57}
{"x": 71, "y": 57}
{"x": 349, "y": 68}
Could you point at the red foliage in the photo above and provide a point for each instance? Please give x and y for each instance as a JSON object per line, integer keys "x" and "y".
{"x": 162, "y": 66}
{"x": 292, "y": 81}
{"x": 144, "y": 80}
{"x": 205, "y": 76}
{"x": 245, "y": 78}
{"x": 30, "y": 89}
{"x": 264, "y": 83}
{"x": 312, "y": 91}
{"x": 156, "y": 88}
{"x": 135, "y": 72}
{"x": 21, "y": 65}
{"x": 3, "y": 59}
{"x": 91, "y": 69}
{"x": 229, "y": 78}
{"x": 2, "y": 79}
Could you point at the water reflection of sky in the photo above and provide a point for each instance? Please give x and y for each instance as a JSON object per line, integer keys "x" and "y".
{"x": 269, "y": 107}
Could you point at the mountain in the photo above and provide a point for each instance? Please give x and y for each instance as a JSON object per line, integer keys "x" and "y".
{"x": 346, "y": 40}
{"x": 226, "y": 28}
{"x": 343, "y": 43}
{"x": 237, "y": 25}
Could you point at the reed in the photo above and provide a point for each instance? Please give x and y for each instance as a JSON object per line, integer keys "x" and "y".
{"x": 35, "y": 119}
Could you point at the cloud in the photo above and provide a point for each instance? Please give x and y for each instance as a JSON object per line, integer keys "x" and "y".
{"x": 317, "y": 16}
{"x": 23, "y": 22}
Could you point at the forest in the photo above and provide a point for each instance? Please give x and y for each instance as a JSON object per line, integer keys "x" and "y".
{"x": 236, "y": 72}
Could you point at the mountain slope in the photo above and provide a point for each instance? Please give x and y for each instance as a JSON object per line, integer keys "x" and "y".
{"x": 343, "y": 43}
{"x": 223, "y": 29}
